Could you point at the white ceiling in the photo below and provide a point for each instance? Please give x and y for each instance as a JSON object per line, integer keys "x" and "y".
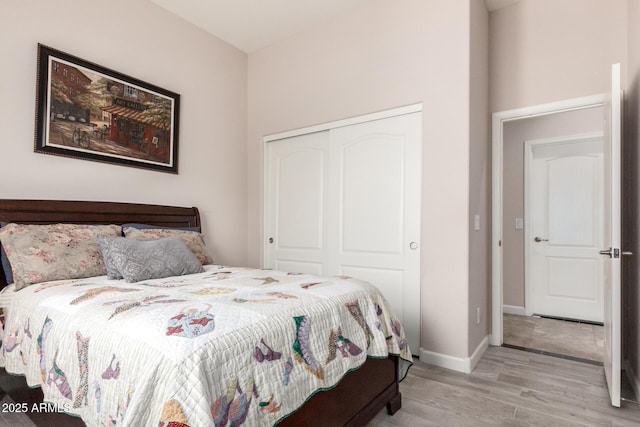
{"x": 253, "y": 24}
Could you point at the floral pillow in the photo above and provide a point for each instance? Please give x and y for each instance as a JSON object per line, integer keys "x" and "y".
{"x": 192, "y": 239}
{"x": 40, "y": 253}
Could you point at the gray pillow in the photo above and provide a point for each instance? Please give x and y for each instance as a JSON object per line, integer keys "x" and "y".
{"x": 136, "y": 260}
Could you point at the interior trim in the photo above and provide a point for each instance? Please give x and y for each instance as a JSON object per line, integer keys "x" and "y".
{"x": 394, "y": 112}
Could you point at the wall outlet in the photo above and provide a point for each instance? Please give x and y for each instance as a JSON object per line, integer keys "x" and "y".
{"x": 477, "y": 315}
{"x": 476, "y": 222}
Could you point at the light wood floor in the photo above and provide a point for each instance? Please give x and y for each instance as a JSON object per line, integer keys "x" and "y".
{"x": 509, "y": 388}
{"x": 9, "y": 417}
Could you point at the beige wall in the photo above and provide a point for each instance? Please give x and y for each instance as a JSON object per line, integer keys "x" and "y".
{"x": 550, "y": 50}
{"x": 479, "y": 177}
{"x": 631, "y": 204}
{"x": 142, "y": 40}
{"x": 384, "y": 55}
{"x": 515, "y": 133}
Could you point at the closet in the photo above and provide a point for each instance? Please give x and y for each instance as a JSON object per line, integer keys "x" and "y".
{"x": 345, "y": 200}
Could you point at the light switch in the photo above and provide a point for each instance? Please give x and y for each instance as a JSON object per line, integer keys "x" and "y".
{"x": 476, "y": 222}
{"x": 519, "y": 223}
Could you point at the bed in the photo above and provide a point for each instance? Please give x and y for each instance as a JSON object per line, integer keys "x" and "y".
{"x": 224, "y": 346}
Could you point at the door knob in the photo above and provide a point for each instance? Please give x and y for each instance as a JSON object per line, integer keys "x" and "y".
{"x": 413, "y": 246}
{"x": 540, "y": 239}
{"x": 615, "y": 252}
{"x": 608, "y": 252}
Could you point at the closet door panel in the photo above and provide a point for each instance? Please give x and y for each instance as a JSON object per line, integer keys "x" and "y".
{"x": 297, "y": 174}
{"x": 371, "y": 202}
{"x": 385, "y": 279}
{"x": 300, "y": 199}
{"x": 374, "y": 211}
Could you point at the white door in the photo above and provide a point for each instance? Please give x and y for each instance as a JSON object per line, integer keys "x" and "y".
{"x": 375, "y": 211}
{"x": 565, "y": 232}
{"x": 297, "y": 177}
{"x": 612, "y": 252}
{"x": 347, "y": 201}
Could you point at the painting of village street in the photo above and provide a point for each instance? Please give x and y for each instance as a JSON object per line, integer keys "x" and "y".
{"x": 96, "y": 116}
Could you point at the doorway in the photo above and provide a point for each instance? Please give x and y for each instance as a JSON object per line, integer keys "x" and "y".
{"x": 517, "y": 318}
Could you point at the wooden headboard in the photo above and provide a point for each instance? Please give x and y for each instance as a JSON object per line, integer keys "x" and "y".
{"x": 85, "y": 212}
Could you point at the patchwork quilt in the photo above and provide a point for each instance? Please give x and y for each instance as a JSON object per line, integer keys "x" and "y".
{"x": 227, "y": 347}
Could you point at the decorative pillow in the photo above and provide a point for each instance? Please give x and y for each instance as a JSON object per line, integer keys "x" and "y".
{"x": 40, "y": 253}
{"x": 6, "y": 267}
{"x": 137, "y": 260}
{"x": 193, "y": 240}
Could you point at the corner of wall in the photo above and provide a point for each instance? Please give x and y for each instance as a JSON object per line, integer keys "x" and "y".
{"x": 460, "y": 364}
{"x": 479, "y": 235}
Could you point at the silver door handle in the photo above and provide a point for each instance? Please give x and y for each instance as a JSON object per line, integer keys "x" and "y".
{"x": 608, "y": 252}
{"x": 540, "y": 239}
{"x": 615, "y": 253}
{"x": 413, "y": 246}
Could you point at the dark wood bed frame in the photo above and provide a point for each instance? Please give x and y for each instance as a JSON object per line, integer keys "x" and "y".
{"x": 355, "y": 400}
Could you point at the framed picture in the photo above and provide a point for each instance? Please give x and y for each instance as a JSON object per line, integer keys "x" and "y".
{"x": 90, "y": 112}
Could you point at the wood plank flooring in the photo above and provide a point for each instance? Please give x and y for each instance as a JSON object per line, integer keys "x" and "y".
{"x": 11, "y": 418}
{"x": 509, "y": 388}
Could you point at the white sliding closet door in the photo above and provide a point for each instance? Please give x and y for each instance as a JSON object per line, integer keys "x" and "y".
{"x": 347, "y": 201}
{"x": 296, "y": 203}
{"x": 374, "y": 211}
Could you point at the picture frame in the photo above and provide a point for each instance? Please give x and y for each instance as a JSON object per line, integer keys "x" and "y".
{"x": 90, "y": 112}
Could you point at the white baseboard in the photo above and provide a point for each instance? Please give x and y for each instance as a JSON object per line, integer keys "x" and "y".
{"x": 514, "y": 309}
{"x": 460, "y": 364}
{"x": 633, "y": 378}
